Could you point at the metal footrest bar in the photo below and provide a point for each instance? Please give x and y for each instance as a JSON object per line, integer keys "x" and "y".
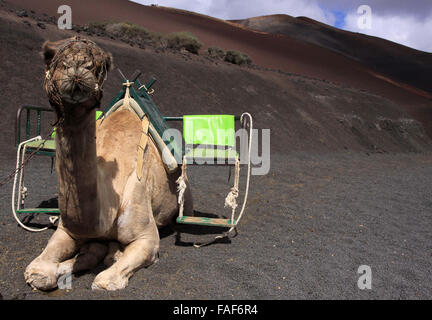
{"x": 210, "y": 222}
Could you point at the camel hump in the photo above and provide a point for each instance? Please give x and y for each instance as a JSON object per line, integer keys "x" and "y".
{"x": 119, "y": 134}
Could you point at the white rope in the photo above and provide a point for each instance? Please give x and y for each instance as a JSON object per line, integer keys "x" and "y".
{"x": 249, "y": 167}
{"x": 18, "y": 165}
{"x": 181, "y": 187}
{"x": 232, "y": 198}
{"x": 21, "y": 194}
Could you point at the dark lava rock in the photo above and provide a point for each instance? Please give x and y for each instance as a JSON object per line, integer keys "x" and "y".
{"x": 22, "y": 13}
{"x": 41, "y": 25}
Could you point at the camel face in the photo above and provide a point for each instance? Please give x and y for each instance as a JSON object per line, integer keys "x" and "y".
{"x": 76, "y": 71}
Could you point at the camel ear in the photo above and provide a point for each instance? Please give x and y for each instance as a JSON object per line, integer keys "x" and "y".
{"x": 49, "y": 50}
{"x": 109, "y": 61}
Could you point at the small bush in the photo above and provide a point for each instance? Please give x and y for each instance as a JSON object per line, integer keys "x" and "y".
{"x": 216, "y": 52}
{"x": 128, "y": 31}
{"x": 136, "y": 35}
{"x": 125, "y": 31}
{"x": 183, "y": 40}
{"x": 236, "y": 57}
{"x": 98, "y": 26}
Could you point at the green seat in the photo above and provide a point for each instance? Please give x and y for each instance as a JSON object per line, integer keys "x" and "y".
{"x": 210, "y": 139}
{"x": 49, "y": 145}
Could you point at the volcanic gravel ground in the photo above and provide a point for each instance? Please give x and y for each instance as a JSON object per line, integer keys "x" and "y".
{"x": 310, "y": 223}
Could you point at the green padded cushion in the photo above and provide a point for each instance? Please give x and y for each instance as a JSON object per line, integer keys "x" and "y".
{"x": 48, "y": 146}
{"x": 98, "y": 114}
{"x": 209, "y": 130}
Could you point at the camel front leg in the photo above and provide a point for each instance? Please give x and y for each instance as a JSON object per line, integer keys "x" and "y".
{"x": 42, "y": 273}
{"x": 139, "y": 253}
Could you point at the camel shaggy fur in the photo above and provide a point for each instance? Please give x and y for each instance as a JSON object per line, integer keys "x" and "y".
{"x": 106, "y": 213}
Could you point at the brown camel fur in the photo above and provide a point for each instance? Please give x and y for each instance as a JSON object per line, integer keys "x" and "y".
{"x": 101, "y": 199}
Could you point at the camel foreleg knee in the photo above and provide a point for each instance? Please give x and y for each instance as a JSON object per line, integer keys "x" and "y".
{"x": 88, "y": 258}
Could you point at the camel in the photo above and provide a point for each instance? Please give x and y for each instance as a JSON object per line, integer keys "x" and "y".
{"x": 106, "y": 212}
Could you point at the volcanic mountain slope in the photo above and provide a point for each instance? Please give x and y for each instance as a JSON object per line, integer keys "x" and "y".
{"x": 302, "y": 113}
{"x": 268, "y": 50}
{"x": 404, "y": 64}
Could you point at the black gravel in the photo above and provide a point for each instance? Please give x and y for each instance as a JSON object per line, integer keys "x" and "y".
{"x": 310, "y": 223}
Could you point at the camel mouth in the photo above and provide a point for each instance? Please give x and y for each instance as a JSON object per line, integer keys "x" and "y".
{"x": 76, "y": 71}
{"x": 75, "y": 85}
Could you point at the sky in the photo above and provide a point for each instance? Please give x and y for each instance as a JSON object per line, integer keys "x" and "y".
{"x": 408, "y": 22}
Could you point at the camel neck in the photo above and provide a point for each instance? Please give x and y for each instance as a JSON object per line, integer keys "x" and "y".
{"x": 76, "y": 165}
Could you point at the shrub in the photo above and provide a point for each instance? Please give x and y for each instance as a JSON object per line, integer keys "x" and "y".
{"x": 135, "y": 34}
{"x": 216, "y": 52}
{"x": 97, "y": 26}
{"x": 236, "y": 57}
{"x": 129, "y": 31}
{"x": 183, "y": 40}
{"x": 126, "y": 31}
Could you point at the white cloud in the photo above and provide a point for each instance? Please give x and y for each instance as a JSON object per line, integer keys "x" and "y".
{"x": 401, "y": 21}
{"x": 240, "y": 9}
{"x": 200, "y": 6}
{"x": 408, "y": 30}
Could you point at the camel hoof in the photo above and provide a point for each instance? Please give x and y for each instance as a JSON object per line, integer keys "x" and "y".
{"x": 40, "y": 281}
{"x": 41, "y": 278}
{"x": 109, "y": 282}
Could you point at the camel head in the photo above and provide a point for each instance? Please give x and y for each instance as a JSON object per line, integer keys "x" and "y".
{"x": 76, "y": 69}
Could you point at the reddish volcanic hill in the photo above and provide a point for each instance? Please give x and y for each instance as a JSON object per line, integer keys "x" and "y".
{"x": 282, "y": 52}
{"x": 407, "y": 65}
{"x": 310, "y": 94}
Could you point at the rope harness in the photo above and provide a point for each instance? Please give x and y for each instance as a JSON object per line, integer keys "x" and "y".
{"x": 82, "y": 53}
